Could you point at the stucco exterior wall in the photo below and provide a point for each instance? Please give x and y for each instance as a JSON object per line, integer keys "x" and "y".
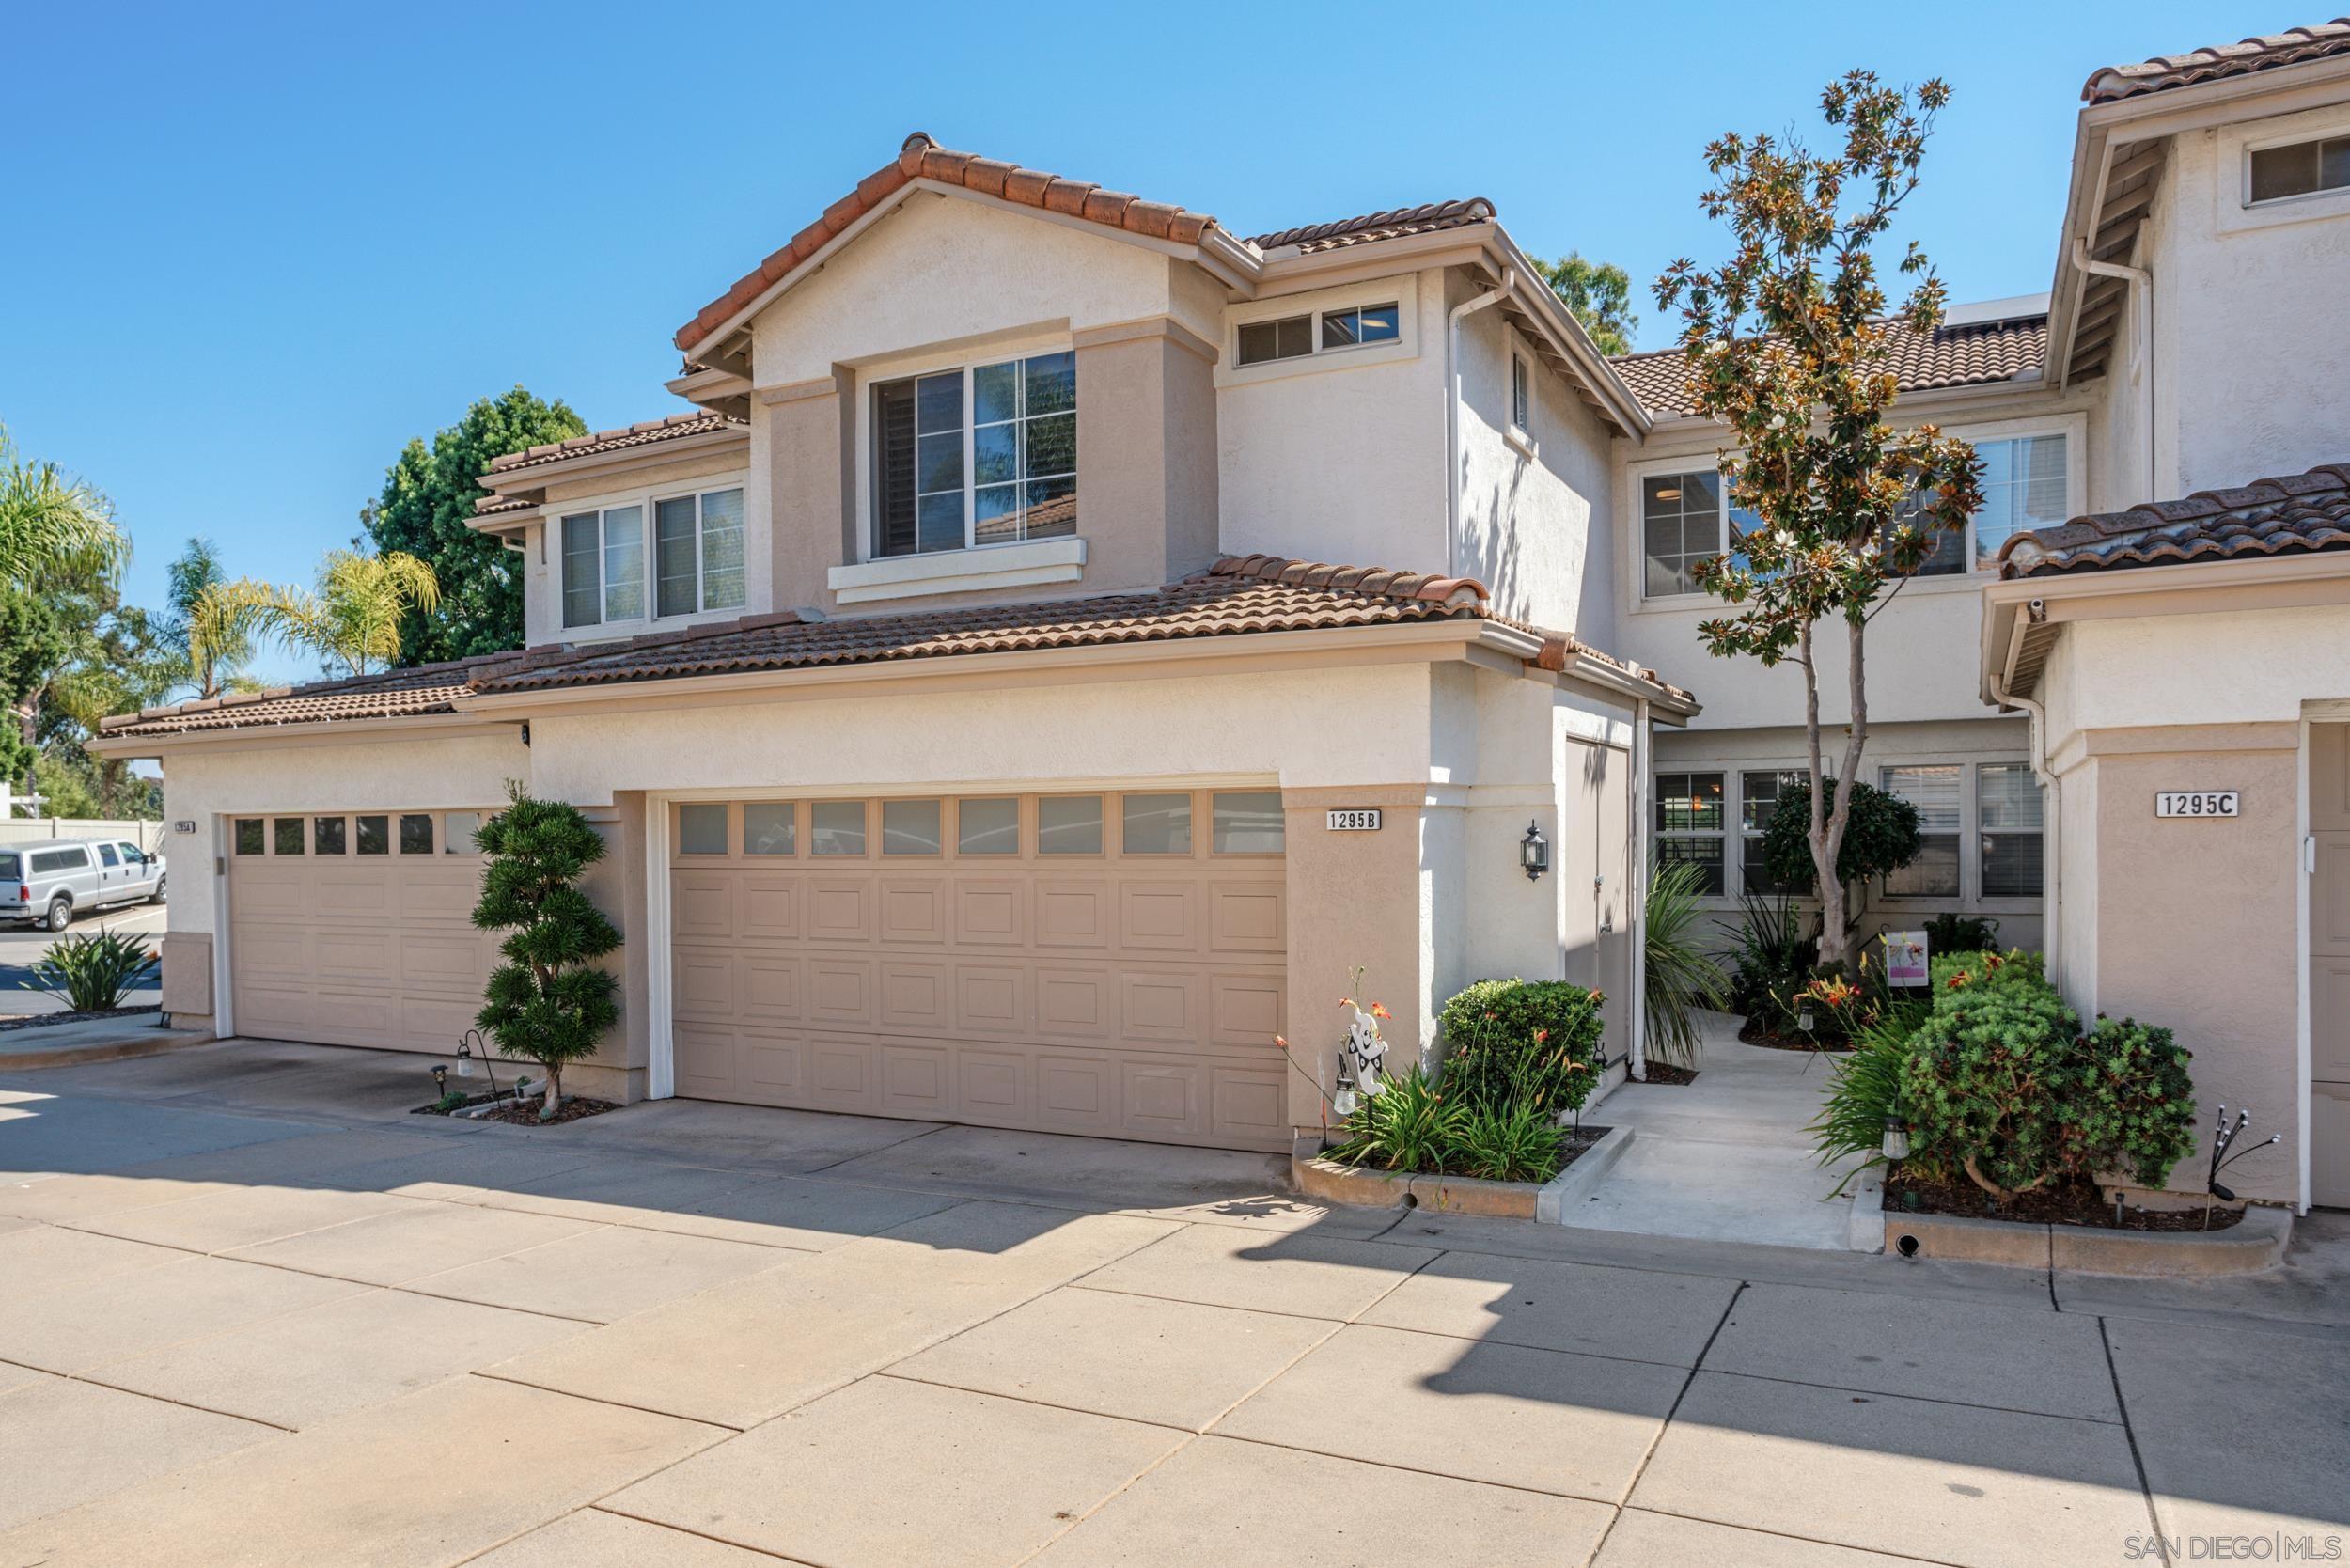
{"x": 1338, "y": 458}
{"x": 2249, "y": 359}
{"x": 1534, "y": 516}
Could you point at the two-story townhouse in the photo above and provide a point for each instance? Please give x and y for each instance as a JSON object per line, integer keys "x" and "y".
{"x": 977, "y": 734}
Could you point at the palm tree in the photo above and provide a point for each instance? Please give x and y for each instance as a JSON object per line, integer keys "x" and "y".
{"x": 352, "y": 620}
{"x": 215, "y": 621}
{"x": 48, "y": 521}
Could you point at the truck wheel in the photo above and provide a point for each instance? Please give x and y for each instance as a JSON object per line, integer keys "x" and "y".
{"x": 61, "y": 914}
{"x": 157, "y": 896}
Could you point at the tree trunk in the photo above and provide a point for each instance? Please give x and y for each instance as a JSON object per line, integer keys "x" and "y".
{"x": 554, "y": 1088}
{"x": 1829, "y": 823}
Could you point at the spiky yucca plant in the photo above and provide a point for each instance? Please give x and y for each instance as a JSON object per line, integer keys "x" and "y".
{"x": 546, "y": 1002}
{"x": 1682, "y": 977}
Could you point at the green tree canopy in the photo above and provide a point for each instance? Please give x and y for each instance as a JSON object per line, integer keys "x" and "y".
{"x": 1600, "y": 296}
{"x": 1787, "y": 346}
{"x": 1881, "y": 837}
{"x": 548, "y": 1001}
{"x": 427, "y": 497}
{"x": 50, "y": 521}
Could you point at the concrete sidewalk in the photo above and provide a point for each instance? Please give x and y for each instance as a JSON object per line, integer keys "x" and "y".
{"x": 1726, "y": 1158}
{"x": 253, "y": 1311}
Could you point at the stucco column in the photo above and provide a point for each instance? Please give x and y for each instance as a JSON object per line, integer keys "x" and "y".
{"x": 1145, "y": 452}
{"x": 619, "y": 1069}
{"x": 1354, "y": 899}
{"x": 805, "y": 432}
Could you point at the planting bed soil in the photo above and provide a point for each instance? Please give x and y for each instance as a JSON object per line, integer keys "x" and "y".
{"x": 1664, "y": 1072}
{"x": 524, "y": 1113}
{"x": 2074, "y": 1203}
{"x": 43, "y": 1020}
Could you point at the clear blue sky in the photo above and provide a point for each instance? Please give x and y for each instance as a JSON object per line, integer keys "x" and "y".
{"x": 248, "y": 253}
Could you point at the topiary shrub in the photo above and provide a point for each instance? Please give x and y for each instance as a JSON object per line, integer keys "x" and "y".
{"x": 1518, "y": 1040}
{"x": 1881, "y": 836}
{"x": 545, "y": 1002}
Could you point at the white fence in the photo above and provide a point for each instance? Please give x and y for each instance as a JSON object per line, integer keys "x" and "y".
{"x": 18, "y": 830}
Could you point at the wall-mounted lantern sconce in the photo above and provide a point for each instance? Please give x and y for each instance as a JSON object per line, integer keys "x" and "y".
{"x": 1534, "y": 853}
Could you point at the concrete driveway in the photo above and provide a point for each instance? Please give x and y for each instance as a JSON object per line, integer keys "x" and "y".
{"x": 253, "y": 1312}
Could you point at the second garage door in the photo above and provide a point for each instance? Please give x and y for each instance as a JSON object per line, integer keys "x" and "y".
{"x": 356, "y": 929}
{"x": 1110, "y": 963}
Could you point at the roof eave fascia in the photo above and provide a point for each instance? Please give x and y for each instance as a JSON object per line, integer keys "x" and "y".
{"x": 2166, "y": 112}
{"x": 514, "y": 481}
{"x": 501, "y": 523}
{"x": 426, "y": 725}
{"x": 1568, "y": 336}
{"x": 2103, "y": 593}
{"x": 1288, "y": 271}
{"x": 1425, "y": 639}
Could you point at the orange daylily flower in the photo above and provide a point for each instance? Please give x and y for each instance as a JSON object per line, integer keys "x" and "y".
{"x": 1378, "y": 1009}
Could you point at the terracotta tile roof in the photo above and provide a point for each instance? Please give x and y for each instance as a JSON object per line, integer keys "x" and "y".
{"x": 1975, "y": 354}
{"x": 489, "y": 506}
{"x": 1238, "y": 595}
{"x": 393, "y": 694}
{"x": 2263, "y": 53}
{"x": 921, "y": 157}
{"x": 1257, "y": 593}
{"x": 2293, "y": 514}
{"x": 1391, "y": 225}
{"x": 645, "y": 434}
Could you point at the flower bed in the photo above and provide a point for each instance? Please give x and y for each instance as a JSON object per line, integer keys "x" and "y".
{"x": 2074, "y": 1203}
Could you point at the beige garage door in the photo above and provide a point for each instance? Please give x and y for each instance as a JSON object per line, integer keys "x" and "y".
{"x": 1105, "y": 964}
{"x": 356, "y": 929}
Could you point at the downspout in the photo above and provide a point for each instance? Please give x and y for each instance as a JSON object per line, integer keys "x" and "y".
{"x": 1452, "y": 414}
{"x": 2141, "y": 340}
{"x": 1636, "y": 888}
{"x": 2052, "y": 836}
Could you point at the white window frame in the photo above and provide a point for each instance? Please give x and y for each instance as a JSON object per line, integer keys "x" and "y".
{"x": 931, "y": 363}
{"x": 1399, "y": 291}
{"x": 1316, "y": 332}
{"x": 1520, "y": 401}
{"x": 2275, "y": 143}
{"x": 2072, "y": 428}
{"x": 604, "y": 580}
{"x": 969, "y": 370}
{"x": 701, "y": 570}
{"x": 1720, "y": 836}
{"x": 1969, "y": 900}
{"x": 648, "y": 498}
{"x": 2235, "y": 211}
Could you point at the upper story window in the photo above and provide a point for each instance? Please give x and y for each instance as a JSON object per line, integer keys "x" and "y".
{"x": 1521, "y": 395}
{"x": 1688, "y": 517}
{"x": 2300, "y": 168}
{"x": 1296, "y": 337}
{"x": 698, "y": 552}
{"x": 604, "y": 566}
{"x": 696, "y": 559}
{"x": 986, "y": 454}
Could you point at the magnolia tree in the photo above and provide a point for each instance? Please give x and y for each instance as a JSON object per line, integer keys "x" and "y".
{"x": 1787, "y": 344}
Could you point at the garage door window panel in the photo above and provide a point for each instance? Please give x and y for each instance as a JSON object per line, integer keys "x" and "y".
{"x": 457, "y": 833}
{"x": 415, "y": 833}
{"x": 1155, "y": 825}
{"x": 1247, "y": 822}
{"x": 1069, "y": 824}
{"x": 287, "y": 836}
{"x": 250, "y": 838}
{"x": 374, "y": 835}
{"x": 329, "y": 835}
{"x": 911, "y": 828}
{"x": 837, "y": 827}
{"x": 701, "y": 829}
{"x": 987, "y": 827}
{"x": 771, "y": 827}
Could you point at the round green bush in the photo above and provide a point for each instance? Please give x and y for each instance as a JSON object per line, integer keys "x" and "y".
{"x": 1881, "y": 836}
{"x": 1510, "y": 1041}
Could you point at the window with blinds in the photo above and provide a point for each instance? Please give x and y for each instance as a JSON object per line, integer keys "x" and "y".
{"x": 1933, "y": 790}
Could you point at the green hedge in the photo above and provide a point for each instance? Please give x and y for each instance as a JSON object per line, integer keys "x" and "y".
{"x": 1511, "y": 1041}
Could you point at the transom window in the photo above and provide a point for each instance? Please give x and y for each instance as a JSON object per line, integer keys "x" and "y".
{"x": 1145, "y": 824}
{"x": 698, "y": 552}
{"x": 1296, "y": 337}
{"x": 2302, "y": 168}
{"x": 986, "y": 454}
{"x": 1688, "y": 517}
{"x": 604, "y": 566}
